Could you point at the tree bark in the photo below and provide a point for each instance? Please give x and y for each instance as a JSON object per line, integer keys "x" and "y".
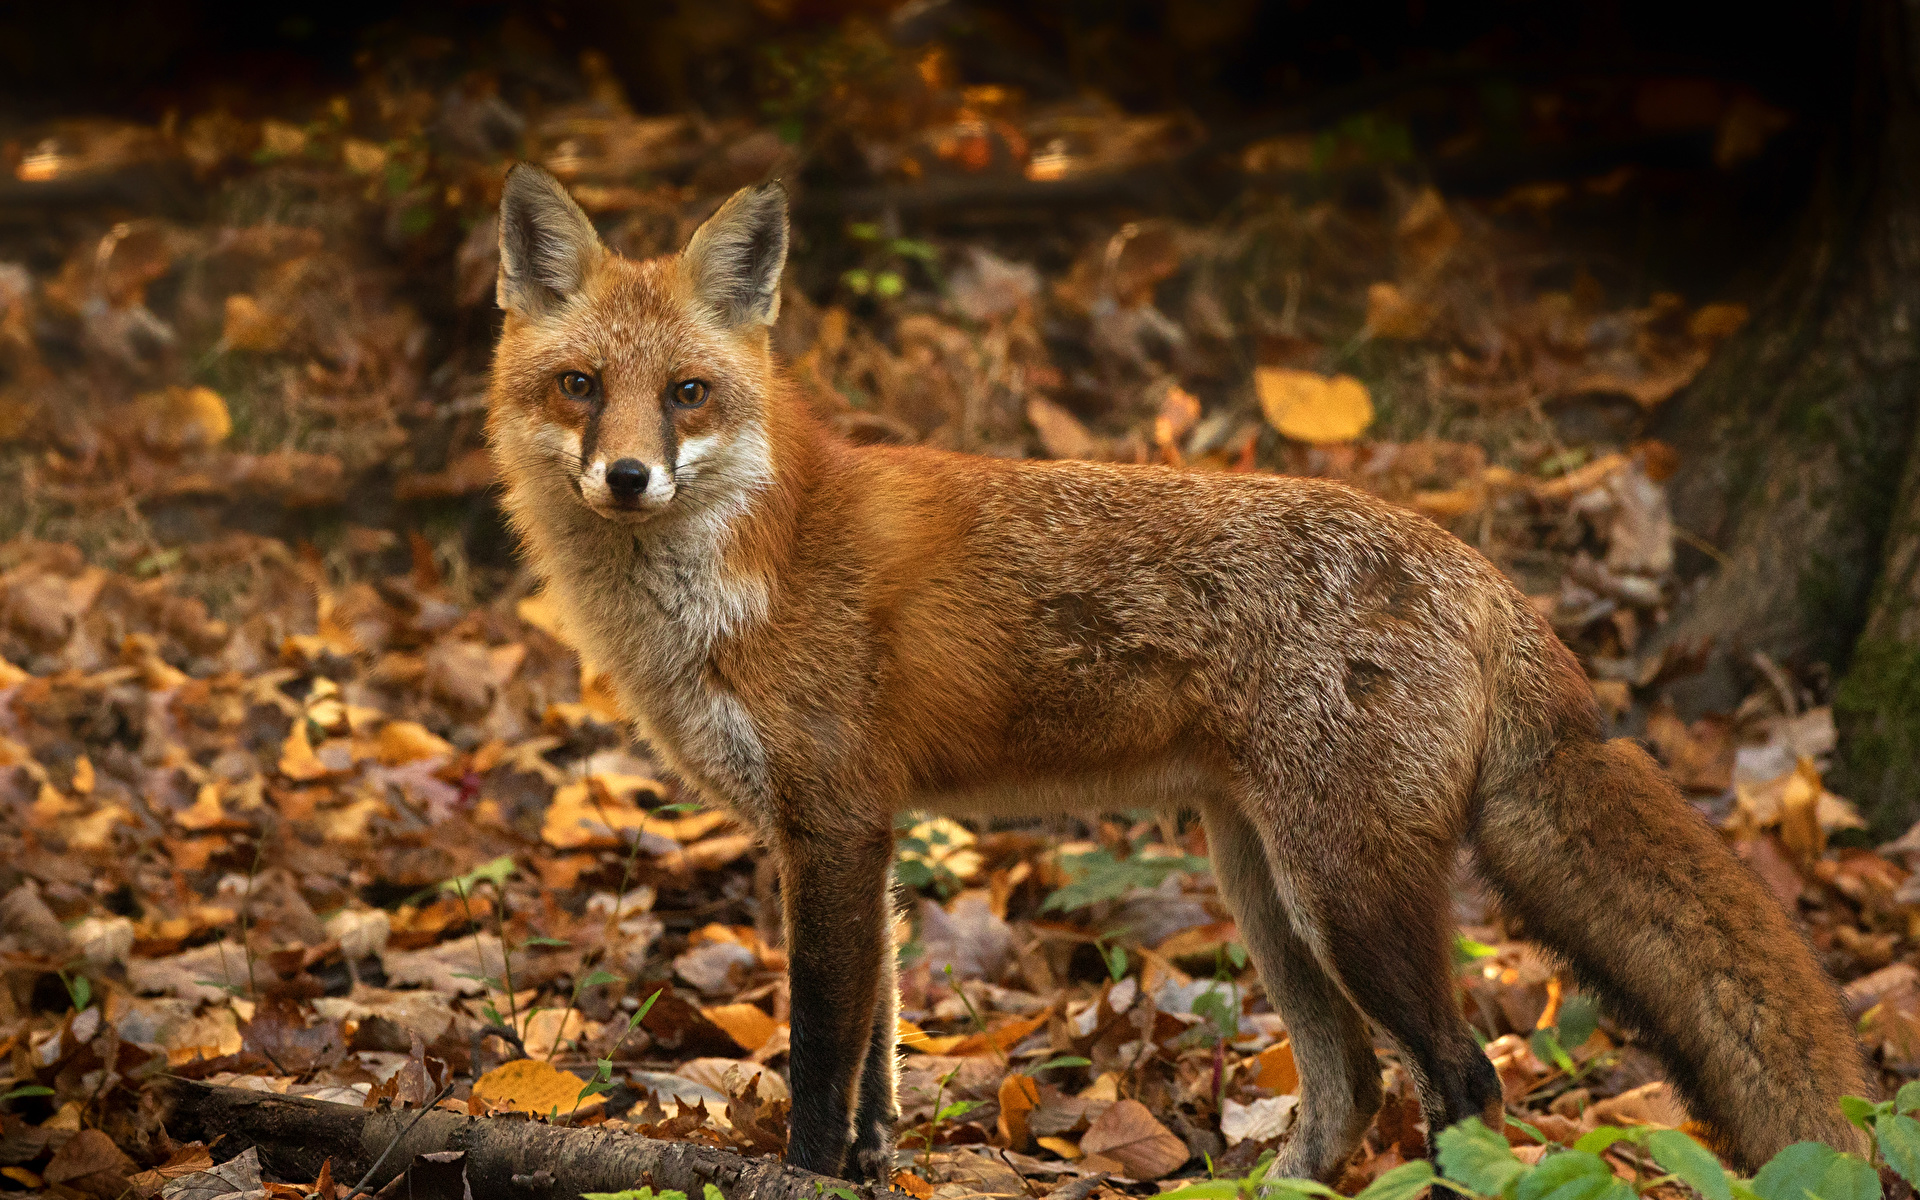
{"x": 505, "y": 1156}
{"x": 1799, "y": 443}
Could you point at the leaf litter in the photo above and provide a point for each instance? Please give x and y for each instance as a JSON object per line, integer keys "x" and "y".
{"x": 335, "y": 811}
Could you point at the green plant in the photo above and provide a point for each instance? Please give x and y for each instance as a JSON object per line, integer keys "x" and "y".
{"x": 885, "y": 262}
{"x": 920, "y": 858}
{"x": 602, "y": 1080}
{"x": 707, "y": 1190}
{"x": 1097, "y": 875}
{"x": 942, "y": 1113}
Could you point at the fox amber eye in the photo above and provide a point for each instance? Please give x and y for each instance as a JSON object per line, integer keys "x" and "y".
{"x": 690, "y": 393}
{"x": 576, "y": 385}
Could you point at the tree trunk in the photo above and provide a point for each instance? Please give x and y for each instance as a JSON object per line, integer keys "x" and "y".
{"x": 1802, "y": 468}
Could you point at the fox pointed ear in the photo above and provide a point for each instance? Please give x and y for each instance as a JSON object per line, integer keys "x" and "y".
{"x": 733, "y": 262}
{"x": 548, "y": 248}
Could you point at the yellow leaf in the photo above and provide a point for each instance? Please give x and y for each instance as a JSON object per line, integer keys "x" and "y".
{"x": 183, "y": 418}
{"x": 532, "y": 1086}
{"x": 1002, "y": 1037}
{"x": 1309, "y": 407}
{"x": 249, "y": 326}
{"x": 298, "y": 762}
{"x": 540, "y": 612}
{"x": 747, "y": 1024}
{"x": 205, "y": 813}
{"x": 1064, "y": 1147}
{"x": 362, "y": 157}
{"x": 410, "y": 741}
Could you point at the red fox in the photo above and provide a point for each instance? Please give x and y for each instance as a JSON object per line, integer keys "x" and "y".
{"x": 819, "y": 635}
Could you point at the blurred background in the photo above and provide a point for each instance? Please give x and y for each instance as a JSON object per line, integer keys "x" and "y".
{"x": 1621, "y": 292}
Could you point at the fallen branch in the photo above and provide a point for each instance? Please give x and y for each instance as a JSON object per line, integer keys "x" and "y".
{"x": 505, "y": 1156}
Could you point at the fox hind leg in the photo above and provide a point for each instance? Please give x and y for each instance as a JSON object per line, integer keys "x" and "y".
{"x": 1339, "y": 1077}
{"x": 1379, "y": 916}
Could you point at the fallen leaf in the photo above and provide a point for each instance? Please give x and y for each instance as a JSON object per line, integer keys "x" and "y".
{"x": 1062, "y": 435}
{"x": 183, "y": 418}
{"x": 1313, "y": 408}
{"x": 532, "y": 1086}
{"x": 1261, "y": 1121}
{"x": 1128, "y": 1134}
{"x": 747, "y": 1024}
{"x": 1019, "y": 1095}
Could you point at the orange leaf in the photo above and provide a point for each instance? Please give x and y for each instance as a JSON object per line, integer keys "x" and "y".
{"x": 746, "y": 1024}
{"x": 1019, "y": 1095}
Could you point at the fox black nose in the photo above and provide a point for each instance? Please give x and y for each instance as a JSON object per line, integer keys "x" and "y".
{"x": 627, "y": 478}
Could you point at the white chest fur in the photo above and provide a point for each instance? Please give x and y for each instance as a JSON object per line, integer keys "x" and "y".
{"x": 649, "y": 611}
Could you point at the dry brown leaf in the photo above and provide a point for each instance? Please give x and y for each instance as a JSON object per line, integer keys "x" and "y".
{"x": 1061, "y": 433}
{"x": 249, "y": 325}
{"x": 1128, "y": 1134}
{"x": 1313, "y": 408}
{"x": 1392, "y": 314}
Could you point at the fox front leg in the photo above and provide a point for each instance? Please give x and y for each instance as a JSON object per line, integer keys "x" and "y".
{"x": 837, "y": 900}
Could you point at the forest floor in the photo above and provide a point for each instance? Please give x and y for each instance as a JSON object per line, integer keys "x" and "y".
{"x": 303, "y": 793}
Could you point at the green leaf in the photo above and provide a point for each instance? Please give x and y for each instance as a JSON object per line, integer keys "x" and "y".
{"x": 1794, "y": 1172}
{"x": 1899, "y": 1137}
{"x": 1237, "y": 955}
{"x": 1065, "y": 1060}
{"x": 82, "y": 990}
{"x": 912, "y": 873}
{"x": 1850, "y": 1178}
{"x": 640, "y": 1014}
{"x": 1596, "y": 1141}
{"x": 1404, "y": 1182}
{"x": 1568, "y": 1175}
{"x": 1466, "y": 950}
{"x": 1116, "y": 959}
{"x": 1299, "y": 1187}
{"x": 1476, "y": 1156}
{"x": 959, "y": 1108}
{"x": 1692, "y": 1162}
{"x": 600, "y": 979}
{"x": 864, "y": 231}
{"x": 669, "y": 810}
{"x": 1212, "y": 1189}
{"x": 546, "y": 941}
{"x": 1862, "y": 1112}
{"x": 1907, "y": 1099}
{"x": 21, "y": 1093}
{"x": 494, "y": 872}
{"x": 710, "y": 1192}
{"x": 1579, "y": 1017}
{"x": 1546, "y": 1046}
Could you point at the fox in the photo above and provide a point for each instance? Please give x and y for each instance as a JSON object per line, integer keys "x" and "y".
{"x": 818, "y": 636}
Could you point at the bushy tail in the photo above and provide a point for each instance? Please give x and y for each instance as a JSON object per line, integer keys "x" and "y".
{"x": 1605, "y": 863}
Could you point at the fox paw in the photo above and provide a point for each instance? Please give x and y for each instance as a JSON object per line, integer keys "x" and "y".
{"x": 871, "y": 1160}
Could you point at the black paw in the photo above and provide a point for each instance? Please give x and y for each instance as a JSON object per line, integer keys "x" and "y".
{"x": 871, "y": 1159}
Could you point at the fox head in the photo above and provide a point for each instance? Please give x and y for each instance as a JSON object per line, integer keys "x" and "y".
{"x": 636, "y": 390}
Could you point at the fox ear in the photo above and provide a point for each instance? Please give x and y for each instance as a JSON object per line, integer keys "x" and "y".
{"x": 548, "y": 248}
{"x": 733, "y": 262}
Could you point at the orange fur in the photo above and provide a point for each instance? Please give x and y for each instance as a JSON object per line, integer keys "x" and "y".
{"x": 819, "y": 635}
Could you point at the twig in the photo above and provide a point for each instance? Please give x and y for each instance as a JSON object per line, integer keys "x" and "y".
{"x": 361, "y": 1187}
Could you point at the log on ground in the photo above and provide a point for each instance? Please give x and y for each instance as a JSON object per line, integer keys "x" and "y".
{"x": 505, "y": 1156}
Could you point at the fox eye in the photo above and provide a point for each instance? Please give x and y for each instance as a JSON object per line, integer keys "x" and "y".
{"x": 577, "y": 385}
{"x": 690, "y": 393}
